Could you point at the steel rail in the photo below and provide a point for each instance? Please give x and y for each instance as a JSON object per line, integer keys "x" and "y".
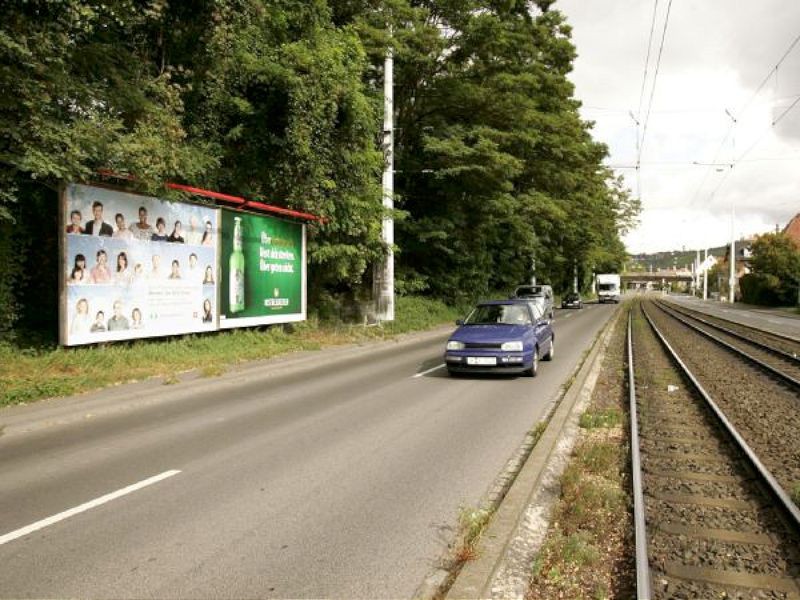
{"x": 766, "y": 366}
{"x": 761, "y": 470}
{"x": 781, "y": 336}
{"x": 692, "y": 314}
{"x": 643, "y": 583}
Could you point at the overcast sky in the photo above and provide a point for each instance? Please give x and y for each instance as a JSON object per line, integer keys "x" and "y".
{"x": 716, "y": 54}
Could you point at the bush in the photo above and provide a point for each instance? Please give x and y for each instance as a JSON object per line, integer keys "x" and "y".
{"x": 766, "y": 290}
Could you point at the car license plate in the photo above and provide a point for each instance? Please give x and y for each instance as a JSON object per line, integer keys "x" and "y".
{"x": 482, "y": 361}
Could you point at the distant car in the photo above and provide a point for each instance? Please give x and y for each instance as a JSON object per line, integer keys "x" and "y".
{"x": 541, "y": 294}
{"x": 501, "y": 336}
{"x": 571, "y": 300}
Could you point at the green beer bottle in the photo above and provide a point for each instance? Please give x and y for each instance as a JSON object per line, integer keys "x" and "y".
{"x": 236, "y": 273}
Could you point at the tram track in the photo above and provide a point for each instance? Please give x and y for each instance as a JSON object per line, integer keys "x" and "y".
{"x": 776, "y": 354}
{"x": 711, "y": 518}
{"x": 786, "y": 343}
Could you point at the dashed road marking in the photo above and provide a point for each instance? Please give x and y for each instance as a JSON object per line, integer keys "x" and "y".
{"x": 18, "y": 533}
{"x": 428, "y": 371}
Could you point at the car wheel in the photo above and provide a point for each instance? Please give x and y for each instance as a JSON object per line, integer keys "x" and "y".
{"x": 535, "y": 365}
{"x": 549, "y": 356}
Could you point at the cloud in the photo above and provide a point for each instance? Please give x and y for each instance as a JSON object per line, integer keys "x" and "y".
{"x": 714, "y": 59}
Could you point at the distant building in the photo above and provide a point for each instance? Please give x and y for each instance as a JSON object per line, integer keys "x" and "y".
{"x": 792, "y": 229}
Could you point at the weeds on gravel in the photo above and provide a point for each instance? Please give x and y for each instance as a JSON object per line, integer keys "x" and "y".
{"x": 602, "y": 418}
{"x": 590, "y": 490}
{"x": 575, "y": 548}
{"x": 796, "y": 494}
{"x": 592, "y": 498}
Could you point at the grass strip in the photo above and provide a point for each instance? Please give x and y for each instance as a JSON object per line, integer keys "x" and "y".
{"x": 33, "y": 371}
{"x": 586, "y": 553}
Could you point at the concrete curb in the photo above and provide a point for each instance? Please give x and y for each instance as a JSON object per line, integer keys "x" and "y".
{"x": 519, "y": 526}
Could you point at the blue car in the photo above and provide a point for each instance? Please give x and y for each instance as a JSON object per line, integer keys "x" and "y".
{"x": 501, "y": 336}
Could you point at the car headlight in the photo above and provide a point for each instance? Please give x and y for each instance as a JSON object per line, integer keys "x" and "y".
{"x": 454, "y": 345}
{"x": 512, "y": 346}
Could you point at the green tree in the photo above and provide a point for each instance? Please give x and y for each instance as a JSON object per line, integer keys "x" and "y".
{"x": 776, "y": 261}
{"x": 496, "y": 168}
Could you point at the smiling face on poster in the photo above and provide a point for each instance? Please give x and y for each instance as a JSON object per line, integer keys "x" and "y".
{"x": 125, "y": 277}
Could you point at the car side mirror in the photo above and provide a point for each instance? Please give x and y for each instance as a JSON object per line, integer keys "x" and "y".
{"x": 459, "y": 321}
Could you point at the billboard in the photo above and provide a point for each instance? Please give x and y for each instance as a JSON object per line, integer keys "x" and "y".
{"x": 263, "y": 278}
{"x": 135, "y": 266}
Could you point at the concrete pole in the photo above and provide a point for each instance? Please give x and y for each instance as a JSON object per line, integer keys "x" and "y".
{"x": 696, "y": 272}
{"x": 575, "y": 276}
{"x": 385, "y": 275}
{"x": 732, "y": 261}
{"x": 705, "y": 274}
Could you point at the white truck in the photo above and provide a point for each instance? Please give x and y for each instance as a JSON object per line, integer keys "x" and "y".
{"x": 608, "y": 287}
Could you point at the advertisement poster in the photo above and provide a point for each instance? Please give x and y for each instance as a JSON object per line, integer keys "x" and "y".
{"x": 136, "y": 266}
{"x": 263, "y": 277}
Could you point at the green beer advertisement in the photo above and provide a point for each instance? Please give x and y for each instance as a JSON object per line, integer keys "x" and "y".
{"x": 262, "y": 265}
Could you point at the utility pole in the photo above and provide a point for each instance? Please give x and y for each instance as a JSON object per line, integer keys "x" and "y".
{"x": 384, "y": 274}
{"x": 575, "y": 276}
{"x": 732, "y": 271}
{"x": 638, "y": 157}
{"x": 732, "y": 278}
{"x": 705, "y": 274}
{"x": 696, "y": 272}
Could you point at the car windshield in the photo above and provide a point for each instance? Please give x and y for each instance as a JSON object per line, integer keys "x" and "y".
{"x": 503, "y": 314}
{"x": 572, "y": 297}
{"x": 531, "y": 290}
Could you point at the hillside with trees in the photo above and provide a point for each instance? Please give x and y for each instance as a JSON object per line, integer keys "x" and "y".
{"x": 281, "y": 102}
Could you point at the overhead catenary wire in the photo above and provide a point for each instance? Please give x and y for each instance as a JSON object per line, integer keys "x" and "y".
{"x": 647, "y": 59}
{"x": 771, "y": 72}
{"x": 655, "y": 81}
{"x": 740, "y": 113}
{"x": 756, "y": 142}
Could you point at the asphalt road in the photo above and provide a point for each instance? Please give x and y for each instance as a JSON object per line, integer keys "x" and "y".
{"x": 766, "y": 319}
{"x": 338, "y": 474}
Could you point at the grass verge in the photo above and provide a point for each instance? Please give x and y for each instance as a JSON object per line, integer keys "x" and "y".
{"x": 586, "y": 552}
{"x": 30, "y": 372}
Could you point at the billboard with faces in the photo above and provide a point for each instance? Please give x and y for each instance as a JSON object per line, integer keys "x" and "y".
{"x": 135, "y": 266}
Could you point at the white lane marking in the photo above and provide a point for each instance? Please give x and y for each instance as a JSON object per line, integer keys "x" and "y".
{"x": 8, "y": 537}
{"x": 428, "y": 371}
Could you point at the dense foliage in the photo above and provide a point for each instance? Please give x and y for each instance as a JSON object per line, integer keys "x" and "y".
{"x": 776, "y": 271}
{"x": 281, "y": 101}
